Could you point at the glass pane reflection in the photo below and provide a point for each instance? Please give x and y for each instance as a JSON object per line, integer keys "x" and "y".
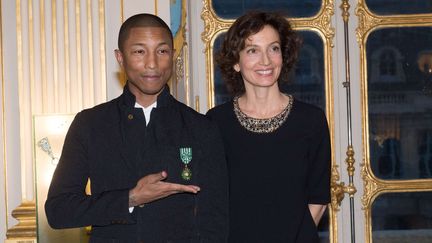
{"x": 323, "y": 228}
{"x": 221, "y": 94}
{"x": 402, "y": 217}
{"x": 393, "y": 7}
{"x": 308, "y": 82}
{"x": 399, "y": 63}
{"x": 232, "y": 9}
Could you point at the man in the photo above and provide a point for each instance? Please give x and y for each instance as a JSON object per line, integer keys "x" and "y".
{"x": 157, "y": 168}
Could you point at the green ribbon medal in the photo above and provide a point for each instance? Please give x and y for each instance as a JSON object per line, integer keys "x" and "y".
{"x": 186, "y": 157}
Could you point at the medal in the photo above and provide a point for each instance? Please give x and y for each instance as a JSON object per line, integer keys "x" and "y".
{"x": 186, "y": 157}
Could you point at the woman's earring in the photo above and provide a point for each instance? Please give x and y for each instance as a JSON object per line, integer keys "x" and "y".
{"x": 237, "y": 68}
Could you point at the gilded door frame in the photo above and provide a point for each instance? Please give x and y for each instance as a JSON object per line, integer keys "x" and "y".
{"x": 373, "y": 186}
{"x": 181, "y": 58}
{"x": 320, "y": 24}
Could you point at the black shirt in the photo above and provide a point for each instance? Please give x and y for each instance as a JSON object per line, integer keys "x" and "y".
{"x": 111, "y": 145}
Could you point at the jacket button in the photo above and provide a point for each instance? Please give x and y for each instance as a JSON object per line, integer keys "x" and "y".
{"x": 130, "y": 116}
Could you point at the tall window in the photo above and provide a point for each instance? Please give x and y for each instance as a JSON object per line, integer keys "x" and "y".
{"x": 387, "y": 63}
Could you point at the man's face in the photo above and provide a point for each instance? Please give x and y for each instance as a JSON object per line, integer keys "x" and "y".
{"x": 147, "y": 59}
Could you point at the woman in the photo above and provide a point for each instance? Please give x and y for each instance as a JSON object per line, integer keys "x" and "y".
{"x": 277, "y": 147}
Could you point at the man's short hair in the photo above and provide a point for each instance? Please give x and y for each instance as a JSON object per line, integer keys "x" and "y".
{"x": 141, "y": 20}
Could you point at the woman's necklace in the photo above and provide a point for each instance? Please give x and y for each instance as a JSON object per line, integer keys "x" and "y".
{"x": 266, "y": 125}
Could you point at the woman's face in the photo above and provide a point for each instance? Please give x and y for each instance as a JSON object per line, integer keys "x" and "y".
{"x": 260, "y": 62}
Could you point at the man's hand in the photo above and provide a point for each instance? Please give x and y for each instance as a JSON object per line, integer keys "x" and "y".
{"x": 152, "y": 187}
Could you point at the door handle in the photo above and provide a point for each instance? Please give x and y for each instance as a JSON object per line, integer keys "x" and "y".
{"x": 338, "y": 189}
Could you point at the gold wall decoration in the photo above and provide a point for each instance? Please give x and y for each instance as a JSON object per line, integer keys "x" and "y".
{"x": 212, "y": 24}
{"x": 368, "y": 21}
{"x": 345, "y": 6}
{"x": 179, "y": 71}
{"x": 320, "y": 24}
{"x": 370, "y": 186}
{"x": 57, "y": 68}
{"x": 350, "y": 160}
{"x": 60, "y": 69}
{"x": 373, "y": 186}
{"x": 3, "y": 123}
{"x": 180, "y": 83}
{"x": 26, "y": 227}
{"x": 337, "y": 189}
{"x": 180, "y": 37}
{"x": 197, "y": 103}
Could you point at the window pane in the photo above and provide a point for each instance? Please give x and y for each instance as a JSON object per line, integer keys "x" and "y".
{"x": 308, "y": 82}
{"x": 323, "y": 228}
{"x": 232, "y": 9}
{"x": 307, "y": 79}
{"x": 221, "y": 94}
{"x": 402, "y": 217}
{"x": 399, "y": 63}
{"x": 391, "y": 7}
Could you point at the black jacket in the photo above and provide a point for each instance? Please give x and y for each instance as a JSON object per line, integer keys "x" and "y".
{"x": 111, "y": 145}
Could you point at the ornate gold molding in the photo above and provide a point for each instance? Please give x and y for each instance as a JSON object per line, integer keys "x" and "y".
{"x": 350, "y": 160}
{"x": 337, "y": 189}
{"x": 3, "y": 109}
{"x": 197, "y": 103}
{"x": 212, "y": 24}
{"x": 373, "y": 187}
{"x": 182, "y": 73}
{"x": 345, "y": 6}
{"x": 370, "y": 187}
{"x": 102, "y": 47}
{"x": 181, "y": 57}
{"x": 366, "y": 22}
{"x": 321, "y": 22}
{"x": 26, "y": 227}
{"x": 179, "y": 71}
{"x": 180, "y": 37}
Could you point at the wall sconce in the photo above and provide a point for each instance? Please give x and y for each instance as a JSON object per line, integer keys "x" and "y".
{"x": 424, "y": 63}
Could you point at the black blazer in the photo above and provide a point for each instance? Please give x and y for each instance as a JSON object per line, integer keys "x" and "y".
{"x": 111, "y": 145}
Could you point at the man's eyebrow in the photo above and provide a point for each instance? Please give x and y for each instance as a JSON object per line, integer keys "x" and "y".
{"x": 159, "y": 44}
{"x": 165, "y": 43}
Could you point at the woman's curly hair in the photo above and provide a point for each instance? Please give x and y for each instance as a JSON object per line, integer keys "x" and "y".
{"x": 234, "y": 41}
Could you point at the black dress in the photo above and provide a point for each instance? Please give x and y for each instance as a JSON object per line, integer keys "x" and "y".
{"x": 274, "y": 176}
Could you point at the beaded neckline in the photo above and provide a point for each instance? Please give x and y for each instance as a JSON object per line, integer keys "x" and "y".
{"x": 266, "y": 125}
